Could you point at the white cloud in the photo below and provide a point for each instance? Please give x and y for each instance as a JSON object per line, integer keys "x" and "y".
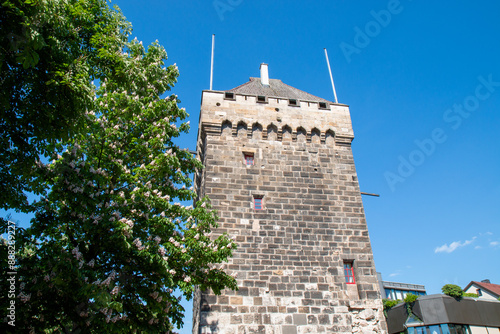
{"x": 494, "y": 243}
{"x": 394, "y": 274}
{"x": 453, "y": 246}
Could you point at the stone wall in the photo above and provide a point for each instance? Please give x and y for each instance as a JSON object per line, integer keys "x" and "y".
{"x": 290, "y": 254}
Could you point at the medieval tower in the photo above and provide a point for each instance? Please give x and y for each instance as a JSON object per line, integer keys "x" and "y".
{"x": 280, "y": 172}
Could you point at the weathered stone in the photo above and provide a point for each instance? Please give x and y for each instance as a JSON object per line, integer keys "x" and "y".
{"x": 300, "y": 319}
{"x": 236, "y": 300}
{"x": 367, "y": 314}
{"x": 236, "y": 319}
{"x": 288, "y": 329}
{"x": 324, "y": 319}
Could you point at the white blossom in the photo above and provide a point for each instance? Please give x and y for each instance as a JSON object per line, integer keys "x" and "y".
{"x": 115, "y": 290}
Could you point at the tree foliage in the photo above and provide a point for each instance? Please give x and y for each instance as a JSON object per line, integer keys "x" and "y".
{"x": 452, "y": 290}
{"x": 410, "y": 298}
{"x": 50, "y": 51}
{"x": 112, "y": 248}
{"x": 389, "y": 303}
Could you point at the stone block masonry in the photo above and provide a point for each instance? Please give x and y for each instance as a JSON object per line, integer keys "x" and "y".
{"x": 295, "y": 210}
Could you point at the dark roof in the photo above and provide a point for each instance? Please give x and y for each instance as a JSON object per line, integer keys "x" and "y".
{"x": 276, "y": 88}
{"x": 441, "y": 309}
{"x": 493, "y": 288}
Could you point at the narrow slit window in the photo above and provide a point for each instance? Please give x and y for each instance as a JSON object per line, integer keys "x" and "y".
{"x": 249, "y": 160}
{"x": 349, "y": 272}
{"x": 257, "y": 203}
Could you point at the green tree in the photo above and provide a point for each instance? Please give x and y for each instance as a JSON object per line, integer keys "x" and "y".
{"x": 452, "y": 290}
{"x": 50, "y": 51}
{"x": 112, "y": 248}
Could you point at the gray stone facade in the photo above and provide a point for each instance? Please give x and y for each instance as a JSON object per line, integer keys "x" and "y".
{"x": 291, "y": 253}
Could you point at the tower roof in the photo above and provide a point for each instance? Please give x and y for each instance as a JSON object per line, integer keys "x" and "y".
{"x": 276, "y": 88}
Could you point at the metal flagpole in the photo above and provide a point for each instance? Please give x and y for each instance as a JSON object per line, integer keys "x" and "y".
{"x": 331, "y": 77}
{"x": 212, "y": 63}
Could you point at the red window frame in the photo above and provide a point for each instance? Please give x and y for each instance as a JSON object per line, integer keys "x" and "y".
{"x": 249, "y": 160}
{"x": 257, "y": 203}
{"x": 349, "y": 272}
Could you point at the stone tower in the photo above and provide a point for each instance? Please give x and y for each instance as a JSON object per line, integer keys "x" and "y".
{"x": 280, "y": 172}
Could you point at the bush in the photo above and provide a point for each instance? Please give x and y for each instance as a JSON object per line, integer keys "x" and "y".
{"x": 452, "y": 290}
{"x": 410, "y": 298}
{"x": 473, "y": 295}
{"x": 389, "y": 303}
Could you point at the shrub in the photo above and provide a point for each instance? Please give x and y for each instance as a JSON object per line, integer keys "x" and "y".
{"x": 410, "y": 298}
{"x": 452, "y": 290}
{"x": 473, "y": 295}
{"x": 389, "y": 303}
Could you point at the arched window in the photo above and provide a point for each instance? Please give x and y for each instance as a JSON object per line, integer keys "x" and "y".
{"x": 272, "y": 132}
{"x": 241, "y": 130}
{"x": 226, "y": 128}
{"x": 301, "y": 135}
{"x": 315, "y": 136}
{"x": 287, "y": 133}
{"x": 330, "y": 138}
{"x": 257, "y": 131}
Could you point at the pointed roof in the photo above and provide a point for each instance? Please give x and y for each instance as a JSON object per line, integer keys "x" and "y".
{"x": 493, "y": 288}
{"x": 276, "y": 88}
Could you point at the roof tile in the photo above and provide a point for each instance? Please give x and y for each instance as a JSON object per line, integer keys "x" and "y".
{"x": 276, "y": 88}
{"x": 495, "y": 288}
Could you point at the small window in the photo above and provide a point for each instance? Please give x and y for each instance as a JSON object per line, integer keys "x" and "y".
{"x": 323, "y": 105}
{"x": 349, "y": 272}
{"x": 261, "y": 99}
{"x": 229, "y": 96}
{"x": 420, "y": 330}
{"x": 249, "y": 161}
{"x": 478, "y": 292}
{"x": 293, "y": 102}
{"x": 257, "y": 203}
{"x": 205, "y": 330}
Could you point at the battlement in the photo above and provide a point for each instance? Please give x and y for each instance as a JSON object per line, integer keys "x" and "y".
{"x": 275, "y": 118}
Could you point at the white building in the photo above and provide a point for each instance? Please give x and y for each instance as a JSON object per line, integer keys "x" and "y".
{"x": 484, "y": 289}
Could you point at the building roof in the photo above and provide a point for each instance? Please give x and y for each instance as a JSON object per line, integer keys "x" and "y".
{"x": 403, "y": 286}
{"x": 442, "y": 309}
{"x": 276, "y": 88}
{"x": 490, "y": 287}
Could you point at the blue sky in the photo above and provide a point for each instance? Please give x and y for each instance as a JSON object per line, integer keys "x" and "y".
{"x": 422, "y": 80}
